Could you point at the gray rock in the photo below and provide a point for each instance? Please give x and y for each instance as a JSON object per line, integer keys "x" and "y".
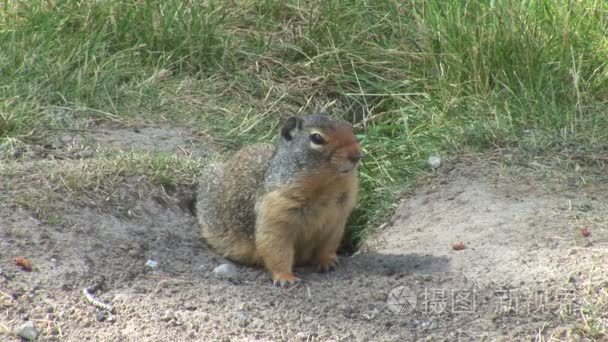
{"x": 28, "y": 331}
{"x": 243, "y": 318}
{"x": 434, "y": 162}
{"x": 152, "y": 263}
{"x": 102, "y": 315}
{"x": 227, "y": 271}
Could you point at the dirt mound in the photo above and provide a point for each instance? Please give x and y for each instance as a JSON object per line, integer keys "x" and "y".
{"x": 534, "y": 243}
{"x": 514, "y": 231}
{"x": 526, "y": 270}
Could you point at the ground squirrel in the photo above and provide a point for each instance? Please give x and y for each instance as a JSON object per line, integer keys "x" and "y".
{"x": 284, "y": 205}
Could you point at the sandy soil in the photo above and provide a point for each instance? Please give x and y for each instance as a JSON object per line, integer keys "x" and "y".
{"x": 526, "y": 272}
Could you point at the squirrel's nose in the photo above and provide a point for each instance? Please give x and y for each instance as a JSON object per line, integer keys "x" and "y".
{"x": 354, "y": 157}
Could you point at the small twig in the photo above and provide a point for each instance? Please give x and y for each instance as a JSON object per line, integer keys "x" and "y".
{"x": 585, "y": 319}
{"x": 85, "y": 130}
{"x": 38, "y": 222}
{"x": 50, "y": 322}
{"x": 186, "y": 153}
{"x": 96, "y": 302}
{"x": 363, "y": 123}
{"x": 7, "y": 295}
{"x": 58, "y": 328}
{"x": 296, "y": 285}
{"x": 541, "y": 330}
{"x": 594, "y": 157}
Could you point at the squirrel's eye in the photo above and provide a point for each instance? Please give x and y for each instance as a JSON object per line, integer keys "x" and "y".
{"x": 317, "y": 139}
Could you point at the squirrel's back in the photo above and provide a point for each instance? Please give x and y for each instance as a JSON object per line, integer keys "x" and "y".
{"x": 225, "y": 204}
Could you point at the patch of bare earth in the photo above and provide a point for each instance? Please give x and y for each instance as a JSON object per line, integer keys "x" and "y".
{"x": 520, "y": 229}
{"x": 86, "y": 143}
{"x": 518, "y": 250}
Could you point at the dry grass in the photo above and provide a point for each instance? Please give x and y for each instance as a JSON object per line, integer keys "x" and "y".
{"x": 108, "y": 182}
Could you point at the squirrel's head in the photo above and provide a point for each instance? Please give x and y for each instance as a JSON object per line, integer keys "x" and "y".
{"x": 319, "y": 142}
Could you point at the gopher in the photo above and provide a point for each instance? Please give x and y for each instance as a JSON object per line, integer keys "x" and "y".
{"x": 284, "y": 205}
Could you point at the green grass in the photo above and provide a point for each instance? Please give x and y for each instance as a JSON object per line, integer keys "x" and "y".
{"x": 415, "y": 77}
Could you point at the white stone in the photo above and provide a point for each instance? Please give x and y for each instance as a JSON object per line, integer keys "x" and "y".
{"x": 434, "y": 162}
{"x": 151, "y": 263}
{"x": 226, "y": 271}
{"x": 28, "y": 331}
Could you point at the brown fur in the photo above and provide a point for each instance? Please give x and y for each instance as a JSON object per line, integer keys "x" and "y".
{"x": 226, "y": 221}
{"x": 296, "y": 222}
{"x": 304, "y": 223}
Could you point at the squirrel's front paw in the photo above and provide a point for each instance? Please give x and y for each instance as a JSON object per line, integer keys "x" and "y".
{"x": 285, "y": 279}
{"x": 328, "y": 263}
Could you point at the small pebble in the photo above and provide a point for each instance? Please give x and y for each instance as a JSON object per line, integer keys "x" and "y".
{"x": 101, "y": 315}
{"x": 151, "y": 264}
{"x": 28, "y": 331}
{"x": 243, "y": 318}
{"x": 306, "y": 336}
{"x": 167, "y": 317}
{"x": 226, "y": 271}
{"x": 434, "y": 162}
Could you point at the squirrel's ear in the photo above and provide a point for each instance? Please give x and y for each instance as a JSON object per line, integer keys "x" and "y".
{"x": 290, "y": 126}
